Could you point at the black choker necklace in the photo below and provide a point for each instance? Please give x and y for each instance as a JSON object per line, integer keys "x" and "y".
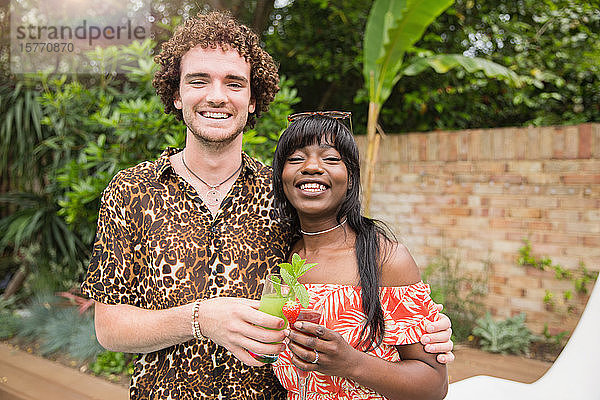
{"x": 213, "y": 197}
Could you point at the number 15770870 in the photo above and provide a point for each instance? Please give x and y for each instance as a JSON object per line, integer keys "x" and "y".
{"x": 47, "y": 47}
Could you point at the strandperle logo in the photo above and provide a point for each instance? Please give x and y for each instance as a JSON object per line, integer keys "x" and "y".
{"x": 69, "y": 36}
{"x": 91, "y": 33}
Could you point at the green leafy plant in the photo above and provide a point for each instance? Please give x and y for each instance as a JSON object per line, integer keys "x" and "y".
{"x": 548, "y": 346}
{"x": 48, "y": 275}
{"x": 549, "y": 298}
{"x": 35, "y": 221}
{"x": 36, "y": 316}
{"x": 9, "y": 323}
{"x": 506, "y": 336}
{"x": 290, "y": 274}
{"x": 61, "y": 326}
{"x": 9, "y": 319}
{"x": 20, "y": 131}
{"x": 580, "y": 277}
{"x": 552, "y": 44}
{"x": 559, "y": 339}
{"x": 260, "y": 141}
{"x": 586, "y": 276}
{"x": 110, "y": 363}
{"x": 461, "y": 293}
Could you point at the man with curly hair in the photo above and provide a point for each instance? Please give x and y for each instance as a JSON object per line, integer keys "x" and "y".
{"x": 184, "y": 242}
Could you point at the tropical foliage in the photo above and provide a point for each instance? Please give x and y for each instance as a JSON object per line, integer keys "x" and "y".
{"x": 260, "y": 141}
{"x": 20, "y": 131}
{"x": 554, "y": 44}
{"x": 392, "y": 29}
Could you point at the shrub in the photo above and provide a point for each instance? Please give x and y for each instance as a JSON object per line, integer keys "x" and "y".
{"x": 260, "y": 142}
{"x": 548, "y": 346}
{"x": 460, "y": 293}
{"x": 9, "y": 320}
{"x": 9, "y": 323}
{"x": 36, "y": 316}
{"x": 507, "y": 336}
{"x": 59, "y": 328}
{"x": 110, "y": 363}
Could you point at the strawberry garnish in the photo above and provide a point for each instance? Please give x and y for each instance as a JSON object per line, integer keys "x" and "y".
{"x": 291, "y": 310}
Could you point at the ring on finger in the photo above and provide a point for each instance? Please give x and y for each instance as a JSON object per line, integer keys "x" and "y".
{"x": 316, "y": 357}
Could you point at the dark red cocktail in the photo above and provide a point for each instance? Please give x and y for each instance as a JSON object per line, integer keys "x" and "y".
{"x": 313, "y": 316}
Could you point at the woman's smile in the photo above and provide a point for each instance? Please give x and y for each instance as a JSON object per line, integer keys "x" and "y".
{"x": 313, "y": 187}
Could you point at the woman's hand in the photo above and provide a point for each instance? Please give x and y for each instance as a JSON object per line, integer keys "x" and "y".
{"x": 335, "y": 356}
{"x": 438, "y": 339}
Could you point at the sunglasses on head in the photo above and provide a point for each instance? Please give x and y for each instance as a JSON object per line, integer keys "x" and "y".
{"x": 341, "y": 115}
{"x": 330, "y": 114}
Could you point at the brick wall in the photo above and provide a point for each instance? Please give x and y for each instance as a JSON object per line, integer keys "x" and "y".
{"x": 476, "y": 194}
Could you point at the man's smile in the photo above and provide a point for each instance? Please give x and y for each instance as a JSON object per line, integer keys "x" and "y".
{"x": 215, "y": 115}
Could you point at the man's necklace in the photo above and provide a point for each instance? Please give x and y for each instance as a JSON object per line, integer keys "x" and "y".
{"x": 213, "y": 197}
{"x": 325, "y": 231}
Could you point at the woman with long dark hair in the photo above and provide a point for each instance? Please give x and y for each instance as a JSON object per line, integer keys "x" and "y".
{"x": 375, "y": 306}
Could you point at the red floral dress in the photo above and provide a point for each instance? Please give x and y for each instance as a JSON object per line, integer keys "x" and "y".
{"x": 406, "y": 310}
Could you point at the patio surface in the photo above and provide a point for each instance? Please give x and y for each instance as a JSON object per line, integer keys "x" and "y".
{"x": 27, "y": 377}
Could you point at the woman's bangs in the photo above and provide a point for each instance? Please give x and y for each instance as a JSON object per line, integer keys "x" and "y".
{"x": 310, "y": 131}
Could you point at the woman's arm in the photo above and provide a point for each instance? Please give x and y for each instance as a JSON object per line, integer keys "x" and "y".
{"x": 417, "y": 376}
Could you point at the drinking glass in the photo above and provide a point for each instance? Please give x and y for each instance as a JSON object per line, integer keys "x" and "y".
{"x": 274, "y": 295}
{"x": 314, "y": 316}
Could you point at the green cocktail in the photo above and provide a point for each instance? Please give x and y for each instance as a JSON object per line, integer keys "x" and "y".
{"x": 274, "y": 295}
{"x": 272, "y": 304}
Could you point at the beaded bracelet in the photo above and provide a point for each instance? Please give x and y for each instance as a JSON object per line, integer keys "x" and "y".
{"x": 195, "y": 326}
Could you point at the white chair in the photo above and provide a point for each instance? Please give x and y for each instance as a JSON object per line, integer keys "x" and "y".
{"x": 574, "y": 375}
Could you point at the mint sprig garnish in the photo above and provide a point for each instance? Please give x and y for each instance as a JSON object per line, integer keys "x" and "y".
{"x": 290, "y": 274}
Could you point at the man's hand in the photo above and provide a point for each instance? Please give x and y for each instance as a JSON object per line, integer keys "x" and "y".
{"x": 438, "y": 338}
{"x": 237, "y": 325}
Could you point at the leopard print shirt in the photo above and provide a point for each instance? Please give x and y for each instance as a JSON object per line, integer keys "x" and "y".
{"x": 158, "y": 246}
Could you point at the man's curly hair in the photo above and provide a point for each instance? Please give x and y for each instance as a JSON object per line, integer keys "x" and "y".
{"x": 216, "y": 29}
